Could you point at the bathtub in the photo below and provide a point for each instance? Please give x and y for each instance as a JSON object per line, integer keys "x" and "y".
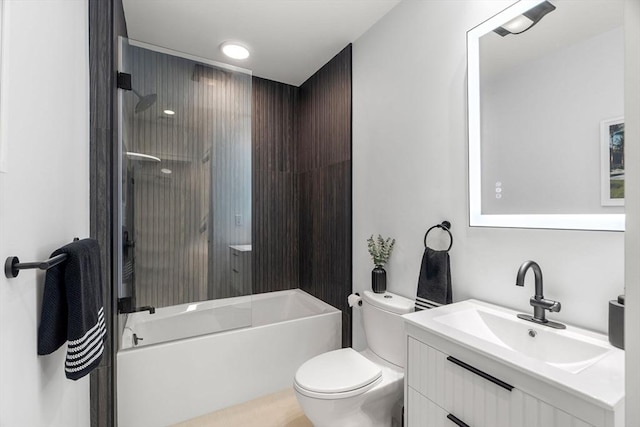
{"x": 164, "y": 378}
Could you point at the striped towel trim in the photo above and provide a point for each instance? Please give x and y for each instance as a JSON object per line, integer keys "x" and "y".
{"x": 77, "y": 345}
{"x": 425, "y": 304}
{"x": 83, "y": 352}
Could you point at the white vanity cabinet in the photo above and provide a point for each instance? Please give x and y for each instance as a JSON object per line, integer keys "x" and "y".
{"x": 476, "y": 364}
{"x": 440, "y": 387}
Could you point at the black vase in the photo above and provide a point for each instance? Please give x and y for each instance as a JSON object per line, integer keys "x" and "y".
{"x": 379, "y": 280}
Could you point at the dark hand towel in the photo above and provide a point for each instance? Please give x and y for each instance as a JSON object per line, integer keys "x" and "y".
{"x": 434, "y": 282}
{"x": 72, "y": 308}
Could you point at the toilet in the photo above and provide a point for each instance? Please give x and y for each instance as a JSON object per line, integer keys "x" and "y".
{"x": 347, "y": 388}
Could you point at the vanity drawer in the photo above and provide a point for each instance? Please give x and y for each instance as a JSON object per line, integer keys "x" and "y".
{"x": 474, "y": 397}
{"x": 423, "y": 412}
{"x": 453, "y": 386}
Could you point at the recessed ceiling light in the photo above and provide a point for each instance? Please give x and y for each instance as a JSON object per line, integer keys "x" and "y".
{"x": 234, "y": 50}
{"x": 140, "y": 156}
{"x": 165, "y": 170}
{"x": 169, "y": 112}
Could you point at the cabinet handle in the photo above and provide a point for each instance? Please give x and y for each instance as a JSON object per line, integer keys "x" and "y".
{"x": 480, "y": 373}
{"x": 456, "y": 421}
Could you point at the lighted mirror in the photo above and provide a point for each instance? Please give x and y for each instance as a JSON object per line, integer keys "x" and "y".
{"x": 546, "y": 119}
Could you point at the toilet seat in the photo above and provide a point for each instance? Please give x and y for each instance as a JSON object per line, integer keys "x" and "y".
{"x": 337, "y": 374}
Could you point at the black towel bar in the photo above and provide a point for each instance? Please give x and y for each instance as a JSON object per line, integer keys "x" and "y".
{"x": 446, "y": 226}
{"x": 12, "y": 265}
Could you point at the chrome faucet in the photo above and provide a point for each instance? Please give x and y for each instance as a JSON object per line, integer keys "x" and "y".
{"x": 537, "y": 301}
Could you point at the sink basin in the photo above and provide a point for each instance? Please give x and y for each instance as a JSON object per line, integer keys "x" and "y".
{"x": 579, "y": 362}
{"x": 563, "y": 349}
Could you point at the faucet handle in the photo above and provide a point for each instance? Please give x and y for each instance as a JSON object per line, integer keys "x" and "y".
{"x": 547, "y": 304}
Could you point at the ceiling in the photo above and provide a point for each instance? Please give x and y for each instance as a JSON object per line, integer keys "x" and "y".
{"x": 289, "y": 40}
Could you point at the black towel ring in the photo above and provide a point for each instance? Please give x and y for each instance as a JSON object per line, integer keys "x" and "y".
{"x": 446, "y": 225}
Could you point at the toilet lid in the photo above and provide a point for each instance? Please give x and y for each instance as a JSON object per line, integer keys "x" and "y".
{"x": 337, "y": 371}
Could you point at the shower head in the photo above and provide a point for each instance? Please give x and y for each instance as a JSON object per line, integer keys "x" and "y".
{"x": 145, "y": 101}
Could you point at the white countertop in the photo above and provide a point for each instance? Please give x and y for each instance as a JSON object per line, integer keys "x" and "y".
{"x": 602, "y": 382}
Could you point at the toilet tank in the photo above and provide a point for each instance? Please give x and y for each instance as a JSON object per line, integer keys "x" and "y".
{"x": 384, "y": 326}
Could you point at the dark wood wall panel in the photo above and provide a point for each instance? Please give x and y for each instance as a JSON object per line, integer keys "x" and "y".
{"x": 275, "y": 187}
{"x": 274, "y": 110}
{"x": 302, "y": 186}
{"x": 324, "y": 167}
{"x": 325, "y": 115}
{"x": 106, "y": 23}
{"x": 325, "y": 238}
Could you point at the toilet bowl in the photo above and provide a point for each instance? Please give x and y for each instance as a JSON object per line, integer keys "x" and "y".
{"x": 346, "y": 388}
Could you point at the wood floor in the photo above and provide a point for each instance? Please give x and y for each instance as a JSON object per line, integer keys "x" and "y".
{"x": 279, "y": 409}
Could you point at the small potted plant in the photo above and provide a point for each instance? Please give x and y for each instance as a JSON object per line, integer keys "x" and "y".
{"x": 380, "y": 251}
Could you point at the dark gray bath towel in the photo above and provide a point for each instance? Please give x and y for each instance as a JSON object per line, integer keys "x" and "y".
{"x": 434, "y": 282}
{"x": 72, "y": 308}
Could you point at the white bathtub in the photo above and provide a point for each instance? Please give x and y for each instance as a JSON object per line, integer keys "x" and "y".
{"x": 164, "y": 379}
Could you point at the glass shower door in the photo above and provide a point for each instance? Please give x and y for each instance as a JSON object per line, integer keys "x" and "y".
{"x": 185, "y": 190}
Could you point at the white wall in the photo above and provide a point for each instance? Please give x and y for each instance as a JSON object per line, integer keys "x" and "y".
{"x": 632, "y": 194}
{"x": 44, "y": 197}
{"x": 410, "y": 172}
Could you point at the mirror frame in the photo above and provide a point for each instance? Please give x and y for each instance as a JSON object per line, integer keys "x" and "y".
{"x": 602, "y": 222}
